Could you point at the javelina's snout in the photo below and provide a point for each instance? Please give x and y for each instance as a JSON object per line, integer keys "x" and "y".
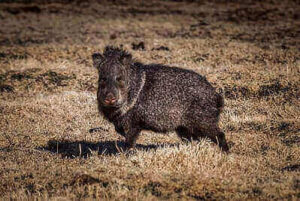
{"x": 110, "y": 99}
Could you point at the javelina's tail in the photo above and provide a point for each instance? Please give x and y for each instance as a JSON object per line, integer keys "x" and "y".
{"x": 220, "y": 102}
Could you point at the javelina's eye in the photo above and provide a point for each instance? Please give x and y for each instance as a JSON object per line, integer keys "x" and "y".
{"x": 120, "y": 81}
{"x": 102, "y": 81}
{"x": 119, "y": 78}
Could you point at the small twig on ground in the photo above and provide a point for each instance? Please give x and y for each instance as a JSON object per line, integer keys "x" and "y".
{"x": 93, "y": 130}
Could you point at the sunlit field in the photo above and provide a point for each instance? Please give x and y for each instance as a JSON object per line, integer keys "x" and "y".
{"x": 249, "y": 51}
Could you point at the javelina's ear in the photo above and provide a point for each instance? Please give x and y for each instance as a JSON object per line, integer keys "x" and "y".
{"x": 126, "y": 59}
{"x": 97, "y": 59}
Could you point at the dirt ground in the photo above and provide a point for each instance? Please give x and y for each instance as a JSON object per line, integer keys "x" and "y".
{"x": 250, "y": 51}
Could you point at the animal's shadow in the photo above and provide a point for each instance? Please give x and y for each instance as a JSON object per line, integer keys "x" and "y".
{"x": 73, "y": 149}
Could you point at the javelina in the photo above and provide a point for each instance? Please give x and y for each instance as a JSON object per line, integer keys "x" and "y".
{"x": 136, "y": 97}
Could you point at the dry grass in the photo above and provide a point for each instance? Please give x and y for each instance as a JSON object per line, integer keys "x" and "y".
{"x": 249, "y": 51}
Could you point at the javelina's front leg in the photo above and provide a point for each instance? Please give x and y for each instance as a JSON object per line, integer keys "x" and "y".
{"x": 131, "y": 135}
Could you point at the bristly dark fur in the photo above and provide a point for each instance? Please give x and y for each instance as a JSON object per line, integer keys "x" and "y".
{"x": 136, "y": 97}
{"x": 115, "y": 52}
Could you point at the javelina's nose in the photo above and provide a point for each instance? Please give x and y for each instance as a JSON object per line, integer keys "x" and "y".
{"x": 110, "y": 99}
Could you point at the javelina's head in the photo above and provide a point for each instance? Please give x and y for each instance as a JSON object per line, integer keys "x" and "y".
{"x": 113, "y": 67}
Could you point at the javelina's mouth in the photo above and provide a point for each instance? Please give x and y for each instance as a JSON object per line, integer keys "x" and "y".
{"x": 111, "y": 105}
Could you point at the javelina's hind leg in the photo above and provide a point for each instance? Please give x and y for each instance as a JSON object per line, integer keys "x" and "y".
{"x": 222, "y": 141}
{"x": 215, "y": 135}
{"x": 185, "y": 134}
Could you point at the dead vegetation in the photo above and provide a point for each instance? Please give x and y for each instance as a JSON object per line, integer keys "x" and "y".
{"x": 249, "y": 51}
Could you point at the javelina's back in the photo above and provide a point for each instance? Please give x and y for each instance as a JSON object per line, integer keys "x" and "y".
{"x": 162, "y": 99}
{"x": 170, "y": 96}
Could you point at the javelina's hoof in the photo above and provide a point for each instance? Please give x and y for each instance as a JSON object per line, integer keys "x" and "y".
{"x": 225, "y": 148}
{"x": 130, "y": 151}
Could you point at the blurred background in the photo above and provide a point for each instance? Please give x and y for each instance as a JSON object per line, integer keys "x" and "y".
{"x": 267, "y": 24}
